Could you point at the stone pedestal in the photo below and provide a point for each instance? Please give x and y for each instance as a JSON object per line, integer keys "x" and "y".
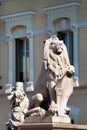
{"x": 51, "y": 126}
{"x": 48, "y": 119}
{"x": 50, "y": 123}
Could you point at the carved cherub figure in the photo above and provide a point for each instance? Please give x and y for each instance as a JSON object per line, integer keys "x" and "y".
{"x": 19, "y": 106}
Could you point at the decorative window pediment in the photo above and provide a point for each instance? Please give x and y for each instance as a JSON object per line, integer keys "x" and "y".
{"x": 22, "y": 18}
{"x": 18, "y": 15}
{"x": 61, "y": 7}
{"x": 68, "y": 10}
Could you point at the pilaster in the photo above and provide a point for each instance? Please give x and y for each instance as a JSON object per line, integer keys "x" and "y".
{"x": 10, "y": 59}
{"x": 75, "y": 52}
{"x": 31, "y": 62}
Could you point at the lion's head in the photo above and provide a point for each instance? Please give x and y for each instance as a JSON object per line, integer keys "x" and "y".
{"x": 53, "y": 44}
{"x": 56, "y": 56}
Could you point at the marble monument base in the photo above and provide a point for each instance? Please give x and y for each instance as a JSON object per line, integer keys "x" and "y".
{"x": 50, "y": 123}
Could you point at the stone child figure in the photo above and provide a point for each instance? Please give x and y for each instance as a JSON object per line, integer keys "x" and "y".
{"x": 19, "y": 106}
{"x": 55, "y": 82}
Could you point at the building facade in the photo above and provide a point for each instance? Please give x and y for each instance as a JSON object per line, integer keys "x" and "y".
{"x": 23, "y": 27}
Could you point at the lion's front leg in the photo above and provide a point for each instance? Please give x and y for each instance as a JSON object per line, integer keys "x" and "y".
{"x": 53, "y": 105}
{"x": 53, "y": 109}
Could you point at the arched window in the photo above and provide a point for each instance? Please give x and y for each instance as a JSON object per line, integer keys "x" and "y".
{"x": 22, "y": 57}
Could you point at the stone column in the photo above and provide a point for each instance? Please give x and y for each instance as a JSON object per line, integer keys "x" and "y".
{"x": 10, "y": 61}
{"x": 75, "y": 52}
{"x": 31, "y": 62}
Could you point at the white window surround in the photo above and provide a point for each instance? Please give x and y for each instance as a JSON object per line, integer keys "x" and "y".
{"x": 69, "y": 11}
{"x": 31, "y": 65}
{"x": 24, "y": 18}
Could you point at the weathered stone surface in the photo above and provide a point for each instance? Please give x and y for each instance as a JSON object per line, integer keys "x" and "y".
{"x": 55, "y": 82}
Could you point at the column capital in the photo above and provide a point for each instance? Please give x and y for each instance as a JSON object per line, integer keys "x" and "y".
{"x": 29, "y": 34}
{"x": 9, "y": 39}
{"x": 74, "y": 27}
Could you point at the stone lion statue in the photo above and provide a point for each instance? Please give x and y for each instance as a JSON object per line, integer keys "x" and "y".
{"x": 55, "y": 82}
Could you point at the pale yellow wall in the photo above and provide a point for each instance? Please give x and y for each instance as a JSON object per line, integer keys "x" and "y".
{"x": 2, "y": 27}
{"x": 82, "y": 36}
{"x": 82, "y": 11}
{"x": 4, "y": 109}
{"x": 83, "y": 56}
{"x": 40, "y": 21}
{"x": 3, "y": 58}
{"x": 38, "y": 53}
{"x": 3, "y": 64}
{"x": 79, "y": 99}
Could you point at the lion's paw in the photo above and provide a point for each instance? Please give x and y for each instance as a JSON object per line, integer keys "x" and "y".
{"x": 53, "y": 109}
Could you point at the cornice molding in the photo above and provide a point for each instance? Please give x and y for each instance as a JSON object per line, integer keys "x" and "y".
{"x": 61, "y": 7}
{"x": 18, "y": 15}
{"x": 82, "y": 24}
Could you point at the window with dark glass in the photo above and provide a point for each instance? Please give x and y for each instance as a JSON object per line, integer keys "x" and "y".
{"x": 67, "y": 37}
{"x": 22, "y": 60}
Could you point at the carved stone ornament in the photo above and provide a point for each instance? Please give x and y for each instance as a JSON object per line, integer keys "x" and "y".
{"x": 19, "y": 106}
